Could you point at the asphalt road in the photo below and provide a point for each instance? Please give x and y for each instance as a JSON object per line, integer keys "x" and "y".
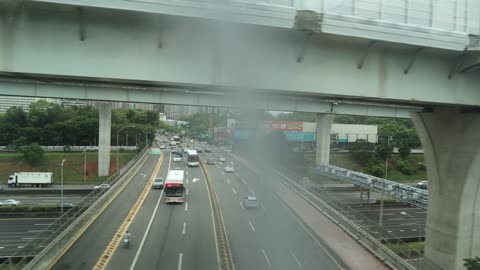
{"x": 401, "y": 222}
{"x": 16, "y": 232}
{"x": 181, "y": 236}
{"x": 86, "y": 251}
{"x": 270, "y": 236}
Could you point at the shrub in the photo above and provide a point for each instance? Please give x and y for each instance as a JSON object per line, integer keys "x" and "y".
{"x": 405, "y": 167}
{"x": 33, "y": 153}
{"x": 375, "y": 170}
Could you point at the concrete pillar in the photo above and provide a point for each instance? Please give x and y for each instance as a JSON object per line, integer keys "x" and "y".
{"x": 105, "y": 129}
{"x": 324, "y": 127}
{"x": 451, "y": 142}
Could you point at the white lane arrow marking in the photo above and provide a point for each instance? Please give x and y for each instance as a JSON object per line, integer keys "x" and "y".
{"x": 194, "y": 180}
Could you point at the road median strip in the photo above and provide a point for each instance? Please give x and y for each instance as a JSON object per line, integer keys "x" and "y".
{"x": 223, "y": 245}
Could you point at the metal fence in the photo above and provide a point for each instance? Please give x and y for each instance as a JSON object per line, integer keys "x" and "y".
{"x": 55, "y": 236}
{"x": 448, "y": 15}
{"x": 401, "y": 192}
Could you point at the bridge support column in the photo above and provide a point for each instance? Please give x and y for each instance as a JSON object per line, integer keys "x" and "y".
{"x": 324, "y": 127}
{"x": 451, "y": 143}
{"x": 104, "y": 138}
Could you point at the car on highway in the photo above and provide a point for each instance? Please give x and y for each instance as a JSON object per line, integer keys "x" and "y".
{"x": 211, "y": 161}
{"x": 177, "y": 158}
{"x": 102, "y": 186}
{"x": 158, "y": 183}
{"x": 66, "y": 205}
{"x": 422, "y": 184}
{"x": 91, "y": 148}
{"x": 163, "y": 146}
{"x": 208, "y": 150}
{"x": 250, "y": 202}
{"x": 222, "y": 159}
{"x": 9, "y": 202}
{"x": 229, "y": 167}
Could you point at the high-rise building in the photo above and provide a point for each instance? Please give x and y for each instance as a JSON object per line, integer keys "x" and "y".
{"x": 23, "y": 102}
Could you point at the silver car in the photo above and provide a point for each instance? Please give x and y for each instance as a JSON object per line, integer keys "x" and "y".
{"x": 9, "y": 202}
{"x": 251, "y": 202}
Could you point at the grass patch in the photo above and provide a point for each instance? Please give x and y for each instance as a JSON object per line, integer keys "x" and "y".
{"x": 73, "y": 168}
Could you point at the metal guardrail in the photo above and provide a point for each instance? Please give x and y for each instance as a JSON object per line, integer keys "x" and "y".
{"x": 53, "y": 236}
{"x": 401, "y": 192}
{"x": 352, "y": 223}
{"x": 226, "y": 260}
{"x": 451, "y": 16}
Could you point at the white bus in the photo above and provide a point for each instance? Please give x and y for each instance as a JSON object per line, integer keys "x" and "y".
{"x": 192, "y": 158}
{"x": 174, "y": 186}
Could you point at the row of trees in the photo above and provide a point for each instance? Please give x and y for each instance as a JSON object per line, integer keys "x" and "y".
{"x": 48, "y": 123}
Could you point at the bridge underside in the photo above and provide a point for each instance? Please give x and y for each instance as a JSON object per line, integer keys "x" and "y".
{"x": 66, "y": 41}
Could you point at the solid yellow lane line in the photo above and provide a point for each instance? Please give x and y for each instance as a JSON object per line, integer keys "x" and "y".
{"x": 118, "y": 236}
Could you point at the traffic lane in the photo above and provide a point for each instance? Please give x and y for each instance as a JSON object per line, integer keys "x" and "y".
{"x": 199, "y": 236}
{"x": 123, "y": 258}
{"x": 245, "y": 247}
{"x": 52, "y": 187}
{"x": 402, "y": 222}
{"x": 42, "y": 199}
{"x": 87, "y": 249}
{"x": 15, "y": 233}
{"x": 176, "y": 229}
{"x": 289, "y": 245}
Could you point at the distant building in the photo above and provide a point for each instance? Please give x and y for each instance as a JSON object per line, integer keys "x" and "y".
{"x": 23, "y": 102}
{"x": 178, "y": 111}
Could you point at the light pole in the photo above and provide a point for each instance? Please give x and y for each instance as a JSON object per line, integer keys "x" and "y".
{"x": 85, "y": 165}
{"x": 380, "y": 222}
{"x": 61, "y": 186}
{"x": 118, "y": 144}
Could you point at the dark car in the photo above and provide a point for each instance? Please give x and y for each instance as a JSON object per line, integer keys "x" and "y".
{"x": 199, "y": 150}
{"x": 208, "y": 150}
{"x": 211, "y": 161}
{"x": 66, "y": 205}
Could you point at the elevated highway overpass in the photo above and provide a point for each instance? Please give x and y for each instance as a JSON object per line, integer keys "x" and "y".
{"x": 317, "y": 56}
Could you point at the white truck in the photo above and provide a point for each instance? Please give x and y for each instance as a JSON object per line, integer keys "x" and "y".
{"x": 33, "y": 179}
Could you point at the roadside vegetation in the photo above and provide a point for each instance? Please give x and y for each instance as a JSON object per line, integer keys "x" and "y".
{"x": 73, "y": 172}
{"x": 23, "y": 133}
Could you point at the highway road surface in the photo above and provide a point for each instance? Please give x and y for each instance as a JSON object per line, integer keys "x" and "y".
{"x": 169, "y": 236}
{"x": 16, "y": 232}
{"x": 270, "y": 236}
{"x": 85, "y": 252}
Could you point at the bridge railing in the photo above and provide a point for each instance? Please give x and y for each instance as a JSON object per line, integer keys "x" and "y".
{"x": 401, "y": 192}
{"x": 452, "y": 15}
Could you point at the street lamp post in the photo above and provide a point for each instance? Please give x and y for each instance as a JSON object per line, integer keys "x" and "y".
{"x": 85, "y": 165}
{"x": 118, "y": 144}
{"x": 61, "y": 186}
{"x": 380, "y": 222}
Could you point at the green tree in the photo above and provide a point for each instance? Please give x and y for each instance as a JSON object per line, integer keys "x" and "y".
{"x": 404, "y": 150}
{"x": 472, "y": 263}
{"x": 361, "y": 150}
{"x": 21, "y": 141}
{"x": 384, "y": 150}
{"x": 33, "y": 153}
